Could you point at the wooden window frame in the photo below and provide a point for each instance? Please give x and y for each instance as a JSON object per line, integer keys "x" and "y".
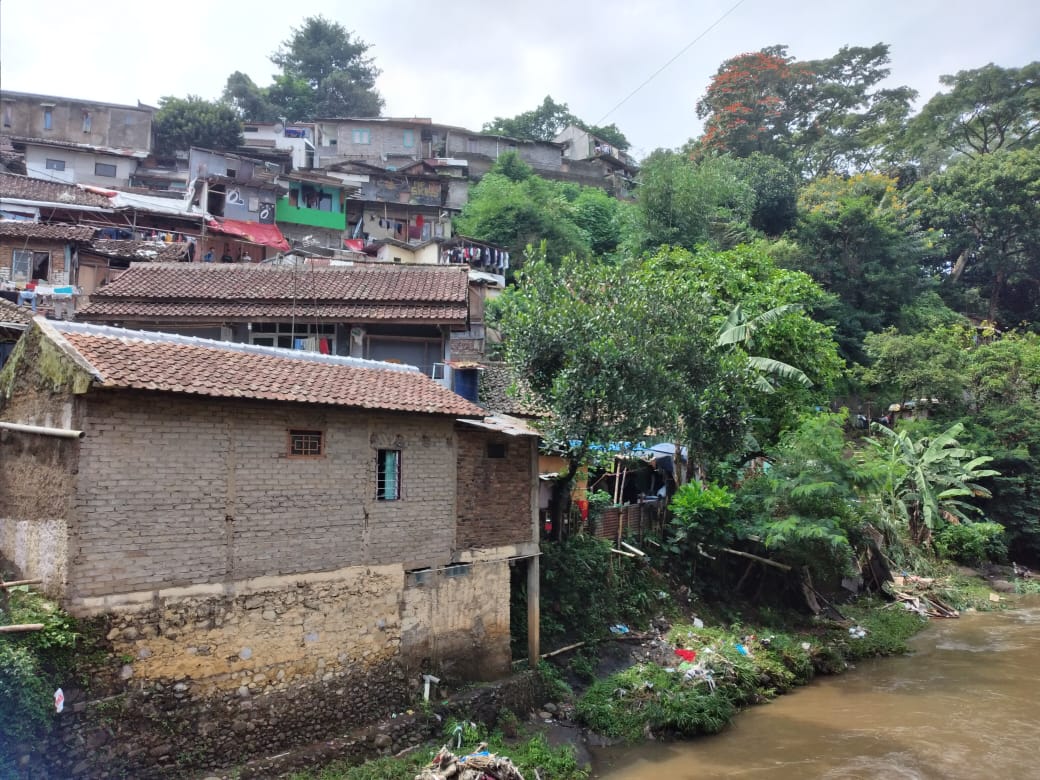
{"x": 304, "y": 432}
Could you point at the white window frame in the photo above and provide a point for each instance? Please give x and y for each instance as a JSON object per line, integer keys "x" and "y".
{"x": 114, "y": 174}
{"x": 53, "y": 164}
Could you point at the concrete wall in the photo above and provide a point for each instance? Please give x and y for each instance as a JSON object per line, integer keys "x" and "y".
{"x": 79, "y": 166}
{"x": 114, "y": 126}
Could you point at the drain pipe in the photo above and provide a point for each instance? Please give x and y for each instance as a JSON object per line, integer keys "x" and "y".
{"x": 61, "y": 433}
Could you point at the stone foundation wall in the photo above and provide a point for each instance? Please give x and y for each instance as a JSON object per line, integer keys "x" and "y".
{"x": 201, "y": 678}
{"x": 160, "y": 732}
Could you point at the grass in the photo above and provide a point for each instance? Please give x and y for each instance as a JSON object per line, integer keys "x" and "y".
{"x": 668, "y": 701}
{"x": 529, "y": 752}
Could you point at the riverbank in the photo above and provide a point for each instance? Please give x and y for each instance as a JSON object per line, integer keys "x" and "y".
{"x": 678, "y": 679}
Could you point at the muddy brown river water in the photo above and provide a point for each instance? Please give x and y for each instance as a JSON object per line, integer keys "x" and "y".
{"x": 966, "y": 704}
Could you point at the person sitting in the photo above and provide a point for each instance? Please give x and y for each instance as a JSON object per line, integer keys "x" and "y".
{"x": 226, "y": 257}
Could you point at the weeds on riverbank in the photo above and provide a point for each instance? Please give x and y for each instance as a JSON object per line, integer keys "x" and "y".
{"x": 731, "y": 668}
{"x": 529, "y": 752}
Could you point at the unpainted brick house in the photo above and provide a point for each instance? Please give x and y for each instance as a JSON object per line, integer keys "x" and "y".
{"x": 258, "y": 522}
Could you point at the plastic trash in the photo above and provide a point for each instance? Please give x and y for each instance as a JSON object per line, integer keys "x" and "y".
{"x": 686, "y": 655}
{"x": 698, "y": 623}
{"x": 743, "y": 650}
{"x": 619, "y": 628}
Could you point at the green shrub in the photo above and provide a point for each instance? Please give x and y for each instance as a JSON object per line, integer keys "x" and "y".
{"x": 972, "y": 543}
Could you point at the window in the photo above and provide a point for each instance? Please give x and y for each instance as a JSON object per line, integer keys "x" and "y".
{"x": 472, "y": 145}
{"x": 27, "y": 265}
{"x": 388, "y": 475}
{"x": 361, "y": 136}
{"x": 86, "y": 121}
{"x": 305, "y": 336}
{"x": 250, "y": 129}
{"x": 409, "y": 138}
{"x": 7, "y": 114}
{"x": 306, "y": 444}
{"x": 104, "y": 169}
{"x": 48, "y": 117}
{"x": 55, "y": 165}
{"x": 232, "y": 173}
{"x": 496, "y": 449}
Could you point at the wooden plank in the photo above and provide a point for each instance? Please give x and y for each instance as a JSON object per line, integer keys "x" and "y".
{"x": 19, "y": 628}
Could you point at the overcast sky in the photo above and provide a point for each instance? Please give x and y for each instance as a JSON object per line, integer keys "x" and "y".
{"x": 463, "y": 62}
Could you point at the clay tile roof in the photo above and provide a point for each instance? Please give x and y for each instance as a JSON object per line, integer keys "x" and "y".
{"x": 435, "y": 294}
{"x": 127, "y": 359}
{"x": 143, "y": 251}
{"x": 13, "y": 313}
{"x": 26, "y": 188}
{"x": 59, "y": 232}
{"x": 502, "y": 392}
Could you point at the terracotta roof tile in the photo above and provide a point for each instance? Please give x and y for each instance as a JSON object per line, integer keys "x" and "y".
{"x": 26, "y": 188}
{"x": 502, "y": 392}
{"x": 141, "y": 251}
{"x": 126, "y": 359}
{"x": 57, "y": 231}
{"x": 12, "y": 312}
{"x": 417, "y": 293}
{"x": 102, "y": 310}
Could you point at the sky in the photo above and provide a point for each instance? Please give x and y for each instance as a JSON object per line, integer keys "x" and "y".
{"x": 464, "y": 62}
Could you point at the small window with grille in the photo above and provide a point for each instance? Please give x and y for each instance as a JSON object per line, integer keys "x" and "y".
{"x": 388, "y": 475}
{"x": 306, "y": 444}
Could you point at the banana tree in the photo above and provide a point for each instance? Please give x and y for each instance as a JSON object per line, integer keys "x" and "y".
{"x": 738, "y": 329}
{"x": 926, "y": 480}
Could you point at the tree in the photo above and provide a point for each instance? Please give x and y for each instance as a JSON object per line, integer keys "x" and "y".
{"x": 858, "y": 238}
{"x": 775, "y": 188}
{"x": 325, "y": 71}
{"x": 683, "y": 203}
{"x": 185, "y": 122}
{"x": 539, "y": 124}
{"x": 987, "y": 212}
{"x": 985, "y": 109}
{"x": 514, "y": 208}
{"x": 928, "y": 364}
{"x": 546, "y": 121}
{"x": 928, "y": 479}
{"x": 820, "y": 115}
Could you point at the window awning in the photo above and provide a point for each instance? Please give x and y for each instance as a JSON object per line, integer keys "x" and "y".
{"x": 254, "y": 232}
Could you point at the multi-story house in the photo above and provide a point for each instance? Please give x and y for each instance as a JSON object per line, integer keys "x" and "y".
{"x": 77, "y": 141}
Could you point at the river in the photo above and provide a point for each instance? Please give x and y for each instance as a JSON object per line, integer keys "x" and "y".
{"x": 965, "y": 704}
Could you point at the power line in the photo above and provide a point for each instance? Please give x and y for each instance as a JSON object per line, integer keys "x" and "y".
{"x": 686, "y": 48}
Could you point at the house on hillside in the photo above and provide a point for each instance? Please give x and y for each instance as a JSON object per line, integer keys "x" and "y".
{"x": 38, "y": 254}
{"x": 379, "y": 312}
{"x": 314, "y": 210}
{"x": 76, "y": 141}
{"x": 308, "y": 533}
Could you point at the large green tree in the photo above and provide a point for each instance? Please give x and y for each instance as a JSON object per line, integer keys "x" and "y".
{"x": 983, "y": 110}
{"x": 859, "y": 239}
{"x": 987, "y": 211}
{"x": 182, "y": 123}
{"x": 820, "y": 115}
{"x": 325, "y": 72}
{"x": 514, "y": 208}
{"x": 614, "y": 349}
{"x": 685, "y": 203}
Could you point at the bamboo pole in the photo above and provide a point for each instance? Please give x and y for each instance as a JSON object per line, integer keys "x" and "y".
{"x": 16, "y": 583}
{"x": 19, "y": 628}
{"x": 750, "y": 556}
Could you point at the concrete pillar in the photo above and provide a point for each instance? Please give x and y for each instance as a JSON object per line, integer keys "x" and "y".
{"x": 533, "y": 612}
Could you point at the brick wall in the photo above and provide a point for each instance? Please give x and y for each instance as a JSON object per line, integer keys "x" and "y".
{"x": 56, "y": 249}
{"x": 494, "y": 494}
{"x": 175, "y": 491}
